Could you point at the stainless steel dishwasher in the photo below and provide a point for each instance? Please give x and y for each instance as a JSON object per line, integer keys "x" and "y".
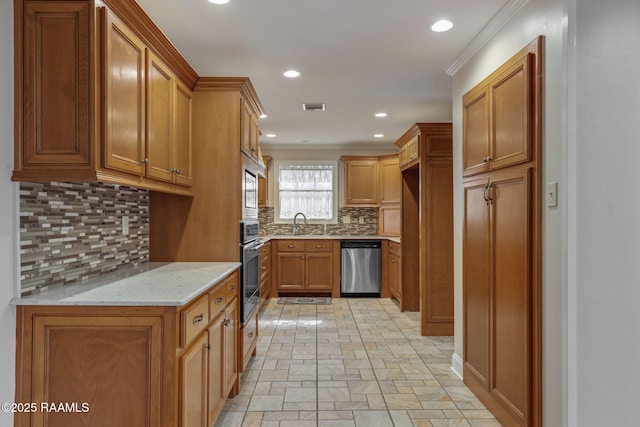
{"x": 360, "y": 268}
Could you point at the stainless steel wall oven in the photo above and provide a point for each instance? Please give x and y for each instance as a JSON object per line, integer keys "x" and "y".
{"x": 250, "y": 273}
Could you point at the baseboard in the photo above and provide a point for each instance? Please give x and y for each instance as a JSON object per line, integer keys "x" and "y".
{"x": 456, "y": 365}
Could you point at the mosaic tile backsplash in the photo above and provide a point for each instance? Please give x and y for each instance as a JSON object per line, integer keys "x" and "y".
{"x": 368, "y": 228}
{"x": 70, "y": 232}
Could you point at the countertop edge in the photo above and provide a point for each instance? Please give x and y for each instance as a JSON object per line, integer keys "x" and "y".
{"x": 70, "y": 297}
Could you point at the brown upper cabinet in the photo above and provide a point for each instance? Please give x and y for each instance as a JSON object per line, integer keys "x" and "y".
{"x": 498, "y": 119}
{"x": 263, "y": 184}
{"x": 409, "y": 154}
{"x": 250, "y": 132}
{"x": 390, "y": 179}
{"x": 361, "y": 181}
{"x": 96, "y": 101}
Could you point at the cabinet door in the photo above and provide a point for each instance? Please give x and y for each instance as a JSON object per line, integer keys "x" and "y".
{"x": 125, "y": 95}
{"x": 476, "y": 276}
{"x": 510, "y": 382}
{"x": 413, "y": 150}
{"x": 291, "y": 274}
{"x": 389, "y": 218}
{"x": 361, "y": 182}
{"x": 56, "y": 81}
{"x": 182, "y": 141}
{"x": 107, "y": 361}
{"x": 231, "y": 345}
{"x": 394, "y": 276}
{"x": 246, "y": 123}
{"x": 390, "y": 181}
{"x": 194, "y": 384}
{"x": 217, "y": 383}
{"x": 255, "y": 136}
{"x": 512, "y": 114}
{"x": 262, "y": 192}
{"x": 160, "y": 84}
{"x": 319, "y": 271}
{"x": 475, "y": 137}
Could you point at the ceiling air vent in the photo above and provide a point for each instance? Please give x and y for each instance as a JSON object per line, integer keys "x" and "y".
{"x": 313, "y": 106}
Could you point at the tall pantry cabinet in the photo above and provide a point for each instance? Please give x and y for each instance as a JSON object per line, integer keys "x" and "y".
{"x": 501, "y": 239}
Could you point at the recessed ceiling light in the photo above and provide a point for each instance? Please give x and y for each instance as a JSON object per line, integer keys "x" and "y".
{"x": 378, "y": 135}
{"x": 442, "y": 25}
{"x": 270, "y": 135}
{"x": 263, "y": 116}
{"x": 291, "y": 74}
{"x": 381, "y": 114}
{"x": 219, "y": 1}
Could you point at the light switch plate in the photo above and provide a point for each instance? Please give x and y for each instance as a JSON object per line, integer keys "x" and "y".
{"x": 552, "y": 194}
{"x": 361, "y": 220}
{"x": 346, "y": 219}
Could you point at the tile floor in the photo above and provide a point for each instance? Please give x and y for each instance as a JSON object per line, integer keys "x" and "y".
{"x": 356, "y": 362}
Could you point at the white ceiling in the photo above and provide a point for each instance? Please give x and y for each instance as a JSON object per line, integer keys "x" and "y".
{"x": 357, "y": 56}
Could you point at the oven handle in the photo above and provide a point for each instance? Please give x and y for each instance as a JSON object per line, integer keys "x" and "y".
{"x": 258, "y": 246}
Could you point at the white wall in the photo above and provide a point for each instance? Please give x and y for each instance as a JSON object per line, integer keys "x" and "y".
{"x": 604, "y": 244}
{"x": 8, "y": 206}
{"x": 537, "y": 17}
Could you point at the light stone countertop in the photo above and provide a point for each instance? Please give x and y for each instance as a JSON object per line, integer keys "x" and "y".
{"x": 329, "y": 236}
{"x": 151, "y": 284}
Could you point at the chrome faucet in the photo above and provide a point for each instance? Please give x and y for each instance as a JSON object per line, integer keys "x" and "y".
{"x": 295, "y": 224}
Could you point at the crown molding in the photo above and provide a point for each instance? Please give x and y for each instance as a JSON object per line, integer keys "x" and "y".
{"x": 493, "y": 26}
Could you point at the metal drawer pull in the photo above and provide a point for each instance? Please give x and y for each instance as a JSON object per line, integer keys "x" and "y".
{"x": 250, "y": 334}
{"x": 226, "y": 322}
{"x": 198, "y": 319}
{"x": 232, "y": 287}
{"x": 263, "y": 268}
{"x": 319, "y": 246}
{"x": 291, "y": 246}
{"x": 219, "y": 300}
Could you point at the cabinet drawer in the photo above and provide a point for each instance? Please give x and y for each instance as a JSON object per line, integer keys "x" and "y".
{"x": 265, "y": 251}
{"x": 217, "y": 300}
{"x": 232, "y": 285}
{"x": 394, "y": 248}
{"x": 194, "y": 319}
{"x": 291, "y": 246}
{"x": 318, "y": 245}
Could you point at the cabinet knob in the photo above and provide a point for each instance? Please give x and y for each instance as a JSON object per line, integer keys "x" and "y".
{"x": 291, "y": 246}
{"x": 263, "y": 268}
{"x": 319, "y": 246}
{"x": 177, "y": 171}
{"x": 232, "y": 287}
{"x": 226, "y": 322}
{"x": 145, "y": 161}
{"x": 198, "y": 319}
{"x": 219, "y": 300}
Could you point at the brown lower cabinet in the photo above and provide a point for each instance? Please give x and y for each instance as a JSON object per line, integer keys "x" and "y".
{"x": 394, "y": 271}
{"x": 307, "y": 267}
{"x": 159, "y": 366}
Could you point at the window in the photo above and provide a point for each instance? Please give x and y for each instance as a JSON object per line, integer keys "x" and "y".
{"x": 309, "y": 187}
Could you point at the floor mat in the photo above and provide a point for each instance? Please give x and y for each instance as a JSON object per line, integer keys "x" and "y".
{"x": 305, "y": 300}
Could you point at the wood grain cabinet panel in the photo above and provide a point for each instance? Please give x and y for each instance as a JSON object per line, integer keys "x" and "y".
{"x": 107, "y": 362}
{"x": 307, "y": 266}
{"x": 160, "y": 119}
{"x": 56, "y": 74}
{"x": 427, "y": 227}
{"x": 498, "y": 119}
{"x": 182, "y": 135}
{"x": 390, "y": 180}
{"x": 129, "y": 364}
{"x": 361, "y": 181}
{"x": 94, "y": 103}
{"x": 125, "y": 98}
{"x": 502, "y": 224}
{"x": 195, "y": 383}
